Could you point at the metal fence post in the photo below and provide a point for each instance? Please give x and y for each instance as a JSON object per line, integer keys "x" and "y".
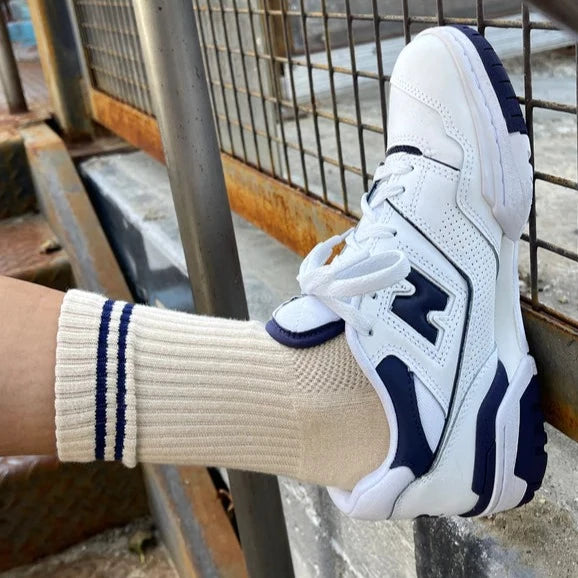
{"x": 61, "y": 66}
{"x": 9, "y": 75}
{"x": 176, "y": 74}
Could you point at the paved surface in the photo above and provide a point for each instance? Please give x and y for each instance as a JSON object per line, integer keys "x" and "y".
{"x": 109, "y": 555}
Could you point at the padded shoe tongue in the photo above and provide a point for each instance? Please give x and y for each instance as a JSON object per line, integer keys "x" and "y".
{"x": 304, "y": 322}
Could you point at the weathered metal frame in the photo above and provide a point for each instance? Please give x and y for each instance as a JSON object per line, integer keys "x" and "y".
{"x": 66, "y": 206}
{"x": 262, "y": 199}
{"x": 61, "y": 67}
{"x": 9, "y": 75}
{"x": 193, "y": 523}
{"x": 563, "y": 11}
{"x": 331, "y": 113}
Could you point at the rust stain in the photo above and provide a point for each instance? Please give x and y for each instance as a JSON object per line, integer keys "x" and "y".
{"x": 218, "y": 532}
{"x": 138, "y": 128}
{"x": 560, "y": 415}
{"x": 285, "y": 213}
{"x": 554, "y": 345}
{"x": 13, "y": 121}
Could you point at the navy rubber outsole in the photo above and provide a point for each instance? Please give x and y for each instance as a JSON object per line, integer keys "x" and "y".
{"x": 499, "y": 79}
{"x": 531, "y": 459}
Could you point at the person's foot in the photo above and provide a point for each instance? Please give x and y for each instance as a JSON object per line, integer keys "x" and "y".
{"x": 426, "y": 290}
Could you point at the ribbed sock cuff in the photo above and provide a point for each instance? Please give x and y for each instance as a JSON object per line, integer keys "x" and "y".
{"x": 95, "y": 388}
{"x": 135, "y": 383}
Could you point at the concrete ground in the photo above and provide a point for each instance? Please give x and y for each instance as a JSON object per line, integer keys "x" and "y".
{"x": 112, "y": 554}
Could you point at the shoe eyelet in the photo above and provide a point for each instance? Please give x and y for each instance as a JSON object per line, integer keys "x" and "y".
{"x": 370, "y": 333}
{"x": 412, "y": 168}
{"x": 374, "y": 296}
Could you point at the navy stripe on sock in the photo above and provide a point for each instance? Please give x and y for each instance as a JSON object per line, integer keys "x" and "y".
{"x": 101, "y": 361}
{"x": 121, "y": 382}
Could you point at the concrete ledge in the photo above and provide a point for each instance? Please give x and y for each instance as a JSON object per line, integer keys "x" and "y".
{"x": 539, "y": 539}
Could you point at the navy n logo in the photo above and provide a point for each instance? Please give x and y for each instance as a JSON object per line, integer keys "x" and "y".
{"x": 413, "y": 309}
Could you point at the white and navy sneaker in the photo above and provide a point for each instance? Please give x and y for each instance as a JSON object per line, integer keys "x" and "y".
{"x": 426, "y": 290}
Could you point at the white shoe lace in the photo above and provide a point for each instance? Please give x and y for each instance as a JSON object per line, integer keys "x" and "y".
{"x": 357, "y": 270}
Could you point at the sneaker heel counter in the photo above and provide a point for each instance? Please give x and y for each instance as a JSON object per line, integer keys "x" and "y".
{"x": 512, "y": 211}
{"x": 510, "y": 334}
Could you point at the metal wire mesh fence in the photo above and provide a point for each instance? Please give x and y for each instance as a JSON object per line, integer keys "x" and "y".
{"x": 110, "y": 40}
{"x": 300, "y": 90}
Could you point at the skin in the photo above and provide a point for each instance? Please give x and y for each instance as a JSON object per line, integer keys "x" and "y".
{"x": 29, "y": 322}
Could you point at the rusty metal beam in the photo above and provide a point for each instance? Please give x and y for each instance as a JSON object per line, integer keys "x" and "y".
{"x": 299, "y": 222}
{"x": 61, "y": 66}
{"x": 283, "y": 212}
{"x": 554, "y": 345}
{"x": 134, "y": 126}
{"x": 193, "y": 510}
{"x": 9, "y": 75}
{"x": 296, "y": 220}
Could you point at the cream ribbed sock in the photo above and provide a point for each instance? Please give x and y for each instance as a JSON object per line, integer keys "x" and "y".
{"x": 140, "y": 384}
